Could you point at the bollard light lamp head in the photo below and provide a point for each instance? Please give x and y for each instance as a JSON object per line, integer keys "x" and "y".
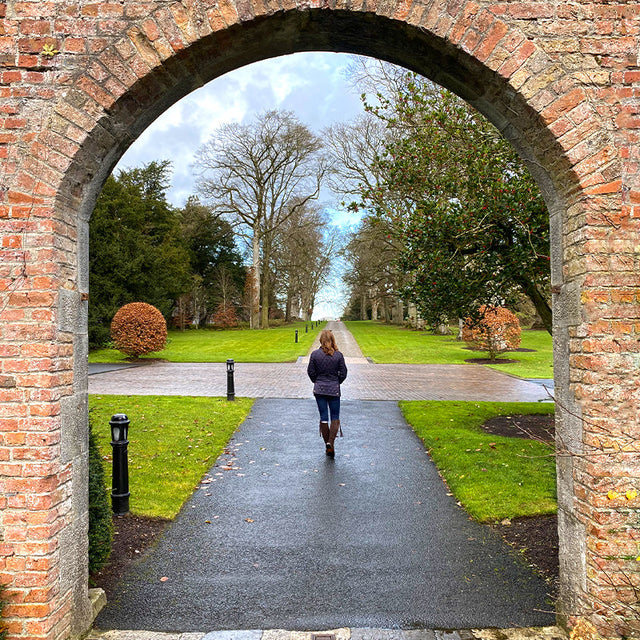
{"x": 230, "y": 365}
{"x": 119, "y": 424}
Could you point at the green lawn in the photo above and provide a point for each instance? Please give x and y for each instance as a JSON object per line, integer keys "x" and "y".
{"x": 493, "y": 477}
{"x": 173, "y": 440}
{"x": 393, "y": 344}
{"x": 242, "y": 345}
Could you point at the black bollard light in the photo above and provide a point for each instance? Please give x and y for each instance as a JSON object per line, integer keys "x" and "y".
{"x": 296, "y": 335}
{"x": 119, "y": 424}
{"x": 306, "y": 328}
{"x": 231, "y": 391}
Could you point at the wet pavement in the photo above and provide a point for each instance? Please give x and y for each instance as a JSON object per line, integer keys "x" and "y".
{"x": 280, "y": 536}
{"x": 365, "y": 381}
{"x": 371, "y": 545}
{"x": 289, "y": 380}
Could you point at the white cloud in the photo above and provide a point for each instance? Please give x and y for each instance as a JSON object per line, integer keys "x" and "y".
{"x": 310, "y": 84}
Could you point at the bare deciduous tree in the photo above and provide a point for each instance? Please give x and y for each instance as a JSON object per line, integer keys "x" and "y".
{"x": 257, "y": 176}
{"x": 302, "y": 257}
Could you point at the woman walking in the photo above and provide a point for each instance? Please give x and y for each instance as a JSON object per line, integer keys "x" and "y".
{"x": 327, "y": 370}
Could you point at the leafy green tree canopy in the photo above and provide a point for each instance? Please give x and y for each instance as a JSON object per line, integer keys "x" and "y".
{"x": 473, "y": 226}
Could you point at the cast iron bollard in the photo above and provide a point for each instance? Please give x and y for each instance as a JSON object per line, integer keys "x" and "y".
{"x": 119, "y": 424}
{"x": 231, "y": 390}
{"x": 296, "y": 335}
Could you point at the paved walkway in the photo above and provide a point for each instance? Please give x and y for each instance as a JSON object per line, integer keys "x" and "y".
{"x": 289, "y": 380}
{"x": 280, "y": 536}
{"x": 346, "y": 343}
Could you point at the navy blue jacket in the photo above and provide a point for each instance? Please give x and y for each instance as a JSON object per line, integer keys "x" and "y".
{"x": 326, "y": 372}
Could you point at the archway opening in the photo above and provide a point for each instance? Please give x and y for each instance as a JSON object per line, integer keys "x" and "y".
{"x": 167, "y": 74}
{"x": 547, "y": 183}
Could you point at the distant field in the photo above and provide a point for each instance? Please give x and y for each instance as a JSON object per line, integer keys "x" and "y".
{"x": 243, "y": 345}
{"x": 393, "y": 344}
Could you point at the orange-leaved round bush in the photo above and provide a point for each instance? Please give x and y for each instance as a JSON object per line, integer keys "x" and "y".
{"x": 497, "y": 330}
{"x": 138, "y": 328}
{"x": 225, "y": 316}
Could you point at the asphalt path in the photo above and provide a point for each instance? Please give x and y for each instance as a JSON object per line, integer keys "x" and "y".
{"x": 279, "y": 536}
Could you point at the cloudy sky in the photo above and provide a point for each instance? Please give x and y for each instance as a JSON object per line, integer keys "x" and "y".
{"x": 312, "y": 85}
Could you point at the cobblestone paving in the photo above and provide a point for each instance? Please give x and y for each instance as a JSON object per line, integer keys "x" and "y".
{"x": 289, "y": 380}
{"x": 365, "y": 381}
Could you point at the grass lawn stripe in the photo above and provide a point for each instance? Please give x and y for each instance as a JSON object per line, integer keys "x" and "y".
{"x": 242, "y": 345}
{"x": 392, "y": 344}
{"x": 493, "y": 477}
{"x": 173, "y": 441}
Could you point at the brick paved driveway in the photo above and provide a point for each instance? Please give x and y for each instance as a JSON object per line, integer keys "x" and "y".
{"x": 365, "y": 381}
{"x": 289, "y": 380}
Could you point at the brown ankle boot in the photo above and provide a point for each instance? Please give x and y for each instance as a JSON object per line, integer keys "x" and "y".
{"x": 324, "y": 431}
{"x": 333, "y": 432}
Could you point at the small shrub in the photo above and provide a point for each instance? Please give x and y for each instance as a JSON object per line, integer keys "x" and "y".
{"x": 100, "y": 521}
{"x": 225, "y": 316}
{"x": 138, "y": 328}
{"x": 497, "y": 330}
{"x": 3, "y": 631}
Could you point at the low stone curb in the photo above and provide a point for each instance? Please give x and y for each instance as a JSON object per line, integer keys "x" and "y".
{"x": 537, "y": 633}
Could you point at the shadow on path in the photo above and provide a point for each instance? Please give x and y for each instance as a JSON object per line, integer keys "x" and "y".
{"x": 283, "y": 537}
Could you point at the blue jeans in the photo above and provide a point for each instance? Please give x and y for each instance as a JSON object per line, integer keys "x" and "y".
{"x": 328, "y": 404}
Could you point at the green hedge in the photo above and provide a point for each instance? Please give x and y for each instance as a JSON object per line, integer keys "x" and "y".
{"x": 100, "y": 519}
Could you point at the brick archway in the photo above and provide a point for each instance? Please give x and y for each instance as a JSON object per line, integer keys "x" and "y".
{"x": 81, "y": 81}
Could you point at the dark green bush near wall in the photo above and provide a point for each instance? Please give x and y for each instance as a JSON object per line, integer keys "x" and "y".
{"x": 3, "y": 632}
{"x": 100, "y": 522}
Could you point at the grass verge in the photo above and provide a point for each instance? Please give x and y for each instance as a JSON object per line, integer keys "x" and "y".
{"x": 173, "y": 440}
{"x": 393, "y": 344}
{"x": 493, "y": 477}
{"x": 243, "y": 345}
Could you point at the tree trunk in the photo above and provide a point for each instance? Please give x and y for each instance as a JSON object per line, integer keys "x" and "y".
{"x": 255, "y": 292}
{"x": 539, "y": 302}
{"x": 287, "y": 308}
{"x": 374, "y": 309}
{"x": 363, "y": 307}
{"x": 266, "y": 288}
{"x": 385, "y": 310}
{"x": 397, "y": 313}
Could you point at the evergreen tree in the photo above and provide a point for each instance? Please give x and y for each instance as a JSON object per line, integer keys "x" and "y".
{"x": 215, "y": 262}
{"x": 137, "y": 253}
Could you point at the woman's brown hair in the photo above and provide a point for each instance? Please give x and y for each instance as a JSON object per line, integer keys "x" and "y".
{"x": 328, "y": 342}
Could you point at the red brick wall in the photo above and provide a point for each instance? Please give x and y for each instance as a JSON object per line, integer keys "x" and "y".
{"x": 560, "y": 79}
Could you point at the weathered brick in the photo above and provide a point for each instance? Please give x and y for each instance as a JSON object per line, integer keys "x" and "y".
{"x": 569, "y": 68}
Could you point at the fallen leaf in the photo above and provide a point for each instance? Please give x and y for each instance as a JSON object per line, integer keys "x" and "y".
{"x": 612, "y": 495}
{"x": 163, "y": 579}
{"x": 631, "y": 494}
{"x": 248, "y": 520}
